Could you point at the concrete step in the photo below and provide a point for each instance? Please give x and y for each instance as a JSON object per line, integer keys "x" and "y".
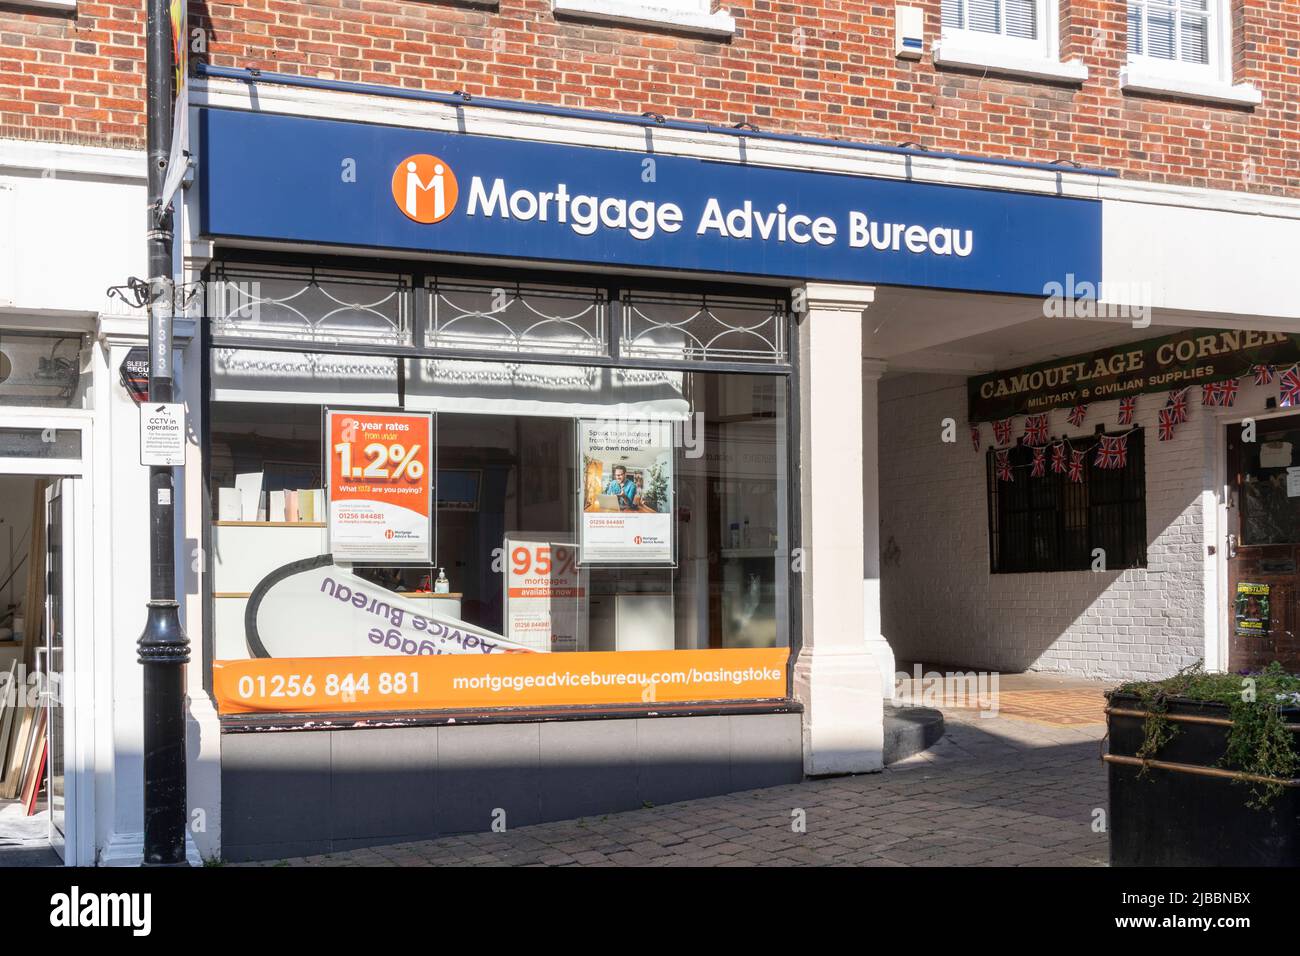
{"x": 909, "y": 730}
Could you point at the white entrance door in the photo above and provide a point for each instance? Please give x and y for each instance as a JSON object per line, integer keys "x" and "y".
{"x": 53, "y": 446}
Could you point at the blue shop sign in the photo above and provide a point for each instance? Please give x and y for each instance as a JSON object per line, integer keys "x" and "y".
{"x": 297, "y": 179}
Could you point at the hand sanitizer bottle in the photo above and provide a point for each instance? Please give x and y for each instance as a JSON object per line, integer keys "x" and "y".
{"x": 442, "y": 585}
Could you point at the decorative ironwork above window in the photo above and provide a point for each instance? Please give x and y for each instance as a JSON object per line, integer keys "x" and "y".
{"x": 410, "y": 314}
{"x": 703, "y": 328}
{"x": 309, "y": 305}
{"x": 509, "y": 317}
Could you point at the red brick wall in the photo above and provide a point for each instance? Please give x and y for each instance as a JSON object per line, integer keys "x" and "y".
{"x": 823, "y": 69}
{"x": 73, "y": 78}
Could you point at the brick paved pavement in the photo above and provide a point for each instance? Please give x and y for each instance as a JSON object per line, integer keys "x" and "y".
{"x": 994, "y": 792}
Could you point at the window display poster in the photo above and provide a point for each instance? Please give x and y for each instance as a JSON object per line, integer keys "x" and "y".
{"x": 627, "y": 491}
{"x": 380, "y": 485}
{"x": 546, "y": 594}
{"x": 1252, "y": 611}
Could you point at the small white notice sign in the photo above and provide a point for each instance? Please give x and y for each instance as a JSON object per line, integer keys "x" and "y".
{"x": 162, "y": 433}
{"x": 1293, "y": 482}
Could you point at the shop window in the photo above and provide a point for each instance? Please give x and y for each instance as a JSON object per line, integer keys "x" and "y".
{"x": 501, "y": 478}
{"x": 1051, "y": 523}
{"x": 702, "y": 328}
{"x": 638, "y": 504}
{"x": 309, "y": 305}
{"x": 510, "y": 317}
{"x": 1270, "y": 506}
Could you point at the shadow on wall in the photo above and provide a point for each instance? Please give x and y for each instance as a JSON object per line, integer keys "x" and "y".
{"x": 939, "y": 600}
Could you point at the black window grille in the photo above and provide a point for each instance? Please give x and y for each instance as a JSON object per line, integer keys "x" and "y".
{"x": 1054, "y": 524}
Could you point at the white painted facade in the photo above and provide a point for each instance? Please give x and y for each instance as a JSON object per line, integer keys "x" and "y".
{"x": 942, "y": 605}
{"x": 70, "y": 226}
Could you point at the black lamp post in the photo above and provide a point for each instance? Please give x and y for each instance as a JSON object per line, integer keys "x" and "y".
{"x": 164, "y": 650}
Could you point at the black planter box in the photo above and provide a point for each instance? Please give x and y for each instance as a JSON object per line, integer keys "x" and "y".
{"x": 1170, "y": 817}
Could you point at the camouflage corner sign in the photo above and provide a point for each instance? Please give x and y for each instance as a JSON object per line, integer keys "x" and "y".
{"x": 1194, "y": 357}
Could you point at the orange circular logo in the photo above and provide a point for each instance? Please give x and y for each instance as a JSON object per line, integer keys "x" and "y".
{"x": 424, "y": 188}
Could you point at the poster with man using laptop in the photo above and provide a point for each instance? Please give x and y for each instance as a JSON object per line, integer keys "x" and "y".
{"x": 627, "y": 499}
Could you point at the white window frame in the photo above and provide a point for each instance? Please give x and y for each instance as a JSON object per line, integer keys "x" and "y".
{"x": 68, "y": 5}
{"x": 690, "y": 16}
{"x": 1210, "y": 81}
{"x": 1039, "y": 58}
{"x": 1045, "y": 45}
{"x": 1218, "y": 38}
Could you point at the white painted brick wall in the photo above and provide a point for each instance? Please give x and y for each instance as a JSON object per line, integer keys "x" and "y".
{"x": 941, "y": 605}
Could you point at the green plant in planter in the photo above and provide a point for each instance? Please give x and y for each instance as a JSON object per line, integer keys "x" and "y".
{"x": 1259, "y": 742}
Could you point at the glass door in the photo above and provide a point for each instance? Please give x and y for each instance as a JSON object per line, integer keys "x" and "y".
{"x": 1263, "y": 546}
{"x": 58, "y": 581}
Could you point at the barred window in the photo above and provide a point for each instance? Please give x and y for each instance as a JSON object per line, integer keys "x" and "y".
{"x": 1054, "y": 524}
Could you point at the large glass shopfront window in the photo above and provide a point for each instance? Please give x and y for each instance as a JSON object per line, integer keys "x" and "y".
{"x": 574, "y": 509}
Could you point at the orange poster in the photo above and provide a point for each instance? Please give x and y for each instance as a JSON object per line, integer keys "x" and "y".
{"x": 458, "y": 681}
{"x": 380, "y": 485}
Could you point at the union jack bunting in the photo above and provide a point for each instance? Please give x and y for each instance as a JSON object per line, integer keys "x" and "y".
{"x": 1167, "y": 424}
{"x": 1002, "y": 463}
{"x": 1228, "y": 392}
{"x": 1040, "y": 463}
{"x": 1112, "y": 453}
{"x": 1219, "y": 393}
{"x": 1178, "y": 404}
{"x": 1127, "y": 406}
{"x": 1076, "y": 467}
{"x": 1058, "y": 458}
{"x": 1076, "y": 415}
{"x": 1002, "y": 432}
{"x": 1263, "y": 374}
{"x": 1289, "y": 388}
{"x": 975, "y": 436}
{"x": 1036, "y": 430}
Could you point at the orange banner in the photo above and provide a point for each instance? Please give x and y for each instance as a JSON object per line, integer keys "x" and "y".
{"x": 458, "y": 681}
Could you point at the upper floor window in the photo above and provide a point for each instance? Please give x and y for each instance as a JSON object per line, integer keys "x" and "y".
{"x": 1010, "y": 24}
{"x": 683, "y": 16}
{"x": 1011, "y": 37}
{"x": 1183, "y": 48}
{"x": 1178, "y": 35}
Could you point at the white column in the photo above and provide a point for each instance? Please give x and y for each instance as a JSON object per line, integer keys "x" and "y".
{"x": 835, "y": 675}
{"x": 877, "y": 646}
{"x": 202, "y": 723}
